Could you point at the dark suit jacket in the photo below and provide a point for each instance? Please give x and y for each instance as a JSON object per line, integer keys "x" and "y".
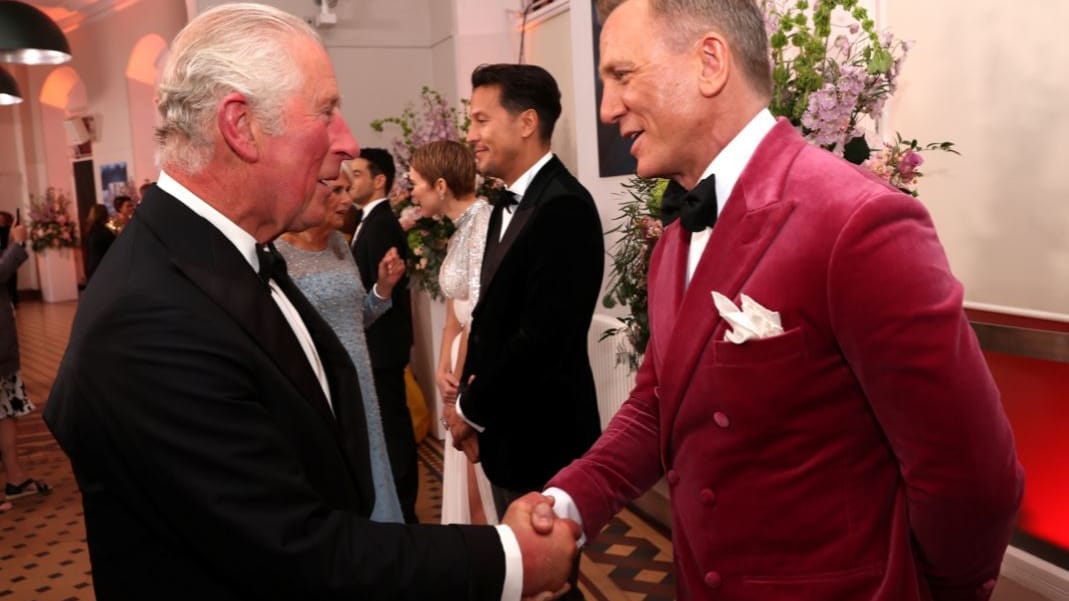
{"x": 533, "y": 389}
{"x": 210, "y": 464}
{"x": 389, "y": 339}
{"x": 863, "y": 454}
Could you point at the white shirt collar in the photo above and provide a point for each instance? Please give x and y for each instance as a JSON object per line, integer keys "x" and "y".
{"x": 519, "y": 187}
{"x": 732, "y": 160}
{"x": 371, "y": 205}
{"x": 242, "y": 240}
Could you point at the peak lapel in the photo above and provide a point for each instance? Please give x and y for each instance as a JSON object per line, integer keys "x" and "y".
{"x": 751, "y": 219}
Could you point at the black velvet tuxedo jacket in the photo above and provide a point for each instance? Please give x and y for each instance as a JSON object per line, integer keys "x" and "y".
{"x": 533, "y": 389}
{"x": 389, "y": 339}
{"x": 210, "y": 463}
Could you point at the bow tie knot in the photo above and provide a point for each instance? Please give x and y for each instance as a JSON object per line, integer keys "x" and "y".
{"x": 503, "y": 197}
{"x": 696, "y": 210}
{"x": 272, "y": 265}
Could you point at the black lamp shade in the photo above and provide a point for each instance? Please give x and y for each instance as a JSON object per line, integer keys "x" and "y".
{"x": 29, "y": 37}
{"x": 9, "y": 89}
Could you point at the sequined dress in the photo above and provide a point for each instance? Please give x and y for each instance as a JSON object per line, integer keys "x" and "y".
{"x": 330, "y": 280}
{"x": 459, "y": 280}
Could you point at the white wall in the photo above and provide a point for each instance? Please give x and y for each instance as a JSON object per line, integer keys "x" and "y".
{"x": 548, "y": 45}
{"x": 989, "y": 75}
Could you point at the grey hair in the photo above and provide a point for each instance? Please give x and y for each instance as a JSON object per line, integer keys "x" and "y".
{"x": 242, "y": 47}
{"x": 741, "y": 22}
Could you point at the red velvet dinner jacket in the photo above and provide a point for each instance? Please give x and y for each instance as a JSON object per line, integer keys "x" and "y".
{"x": 861, "y": 455}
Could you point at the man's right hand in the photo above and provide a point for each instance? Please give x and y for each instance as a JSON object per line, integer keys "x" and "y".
{"x": 547, "y": 558}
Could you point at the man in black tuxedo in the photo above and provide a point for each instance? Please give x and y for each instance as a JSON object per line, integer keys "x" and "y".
{"x": 528, "y": 389}
{"x": 389, "y": 339}
{"x": 213, "y": 420}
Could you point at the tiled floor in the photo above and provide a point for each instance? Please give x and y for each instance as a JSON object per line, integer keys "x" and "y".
{"x": 43, "y": 555}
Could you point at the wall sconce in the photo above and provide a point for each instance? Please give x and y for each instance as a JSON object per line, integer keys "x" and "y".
{"x": 29, "y": 37}
{"x": 9, "y": 89}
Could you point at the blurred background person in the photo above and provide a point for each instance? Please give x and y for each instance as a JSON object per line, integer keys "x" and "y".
{"x": 6, "y": 221}
{"x": 98, "y": 238}
{"x": 443, "y": 183}
{"x": 124, "y": 212}
{"x": 14, "y": 402}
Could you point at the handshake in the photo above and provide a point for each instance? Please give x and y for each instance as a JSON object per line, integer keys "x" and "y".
{"x": 547, "y": 543}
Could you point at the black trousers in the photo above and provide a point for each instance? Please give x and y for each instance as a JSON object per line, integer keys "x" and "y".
{"x": 400, "y": 440}
{"x": 504, "y": 497}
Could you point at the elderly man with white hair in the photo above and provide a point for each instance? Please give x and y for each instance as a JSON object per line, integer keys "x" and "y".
{"x": 212, "y": 418}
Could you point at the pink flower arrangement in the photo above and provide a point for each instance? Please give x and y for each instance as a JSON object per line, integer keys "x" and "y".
{"x": 51, "y": 225}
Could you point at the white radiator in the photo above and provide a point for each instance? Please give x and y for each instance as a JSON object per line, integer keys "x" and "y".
{"x": 613, "y": 382}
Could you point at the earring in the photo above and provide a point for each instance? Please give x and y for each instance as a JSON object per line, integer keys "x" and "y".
{"x": 441, "y": 197}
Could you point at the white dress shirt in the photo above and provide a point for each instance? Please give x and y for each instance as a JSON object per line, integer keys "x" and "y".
{"x": 519, "y": 188}
{"x": 728, "y": 167}
{"x": 246, "y": 245}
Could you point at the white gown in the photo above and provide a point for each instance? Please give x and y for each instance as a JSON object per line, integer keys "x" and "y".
{"x": 459, "y": 279}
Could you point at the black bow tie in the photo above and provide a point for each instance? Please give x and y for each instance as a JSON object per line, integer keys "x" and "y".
{"x": 503, "y": 197}
{"x": 272, "y": 265}
{"x": 696, "y": 210}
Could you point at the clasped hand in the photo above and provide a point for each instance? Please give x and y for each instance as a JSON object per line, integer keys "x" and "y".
{"x": 548, "y": 545}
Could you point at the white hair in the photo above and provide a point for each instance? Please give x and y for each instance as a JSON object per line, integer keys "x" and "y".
{"x": 243, "y": 47}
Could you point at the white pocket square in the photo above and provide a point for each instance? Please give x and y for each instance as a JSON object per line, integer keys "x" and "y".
{"x": 752, "y": 321}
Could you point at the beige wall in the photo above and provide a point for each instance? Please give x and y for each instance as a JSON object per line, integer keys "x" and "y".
{"x": 989, "y": 75}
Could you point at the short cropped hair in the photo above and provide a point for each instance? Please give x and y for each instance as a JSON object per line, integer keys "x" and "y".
{"x": 741, "y": 22}
{"x": 245, "y": 48}
{"x": 452, "y": 161}
{"x": 523, "y": 87}
{"x": 380, "y": 162}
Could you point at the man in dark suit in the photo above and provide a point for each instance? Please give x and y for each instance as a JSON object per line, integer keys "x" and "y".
{"x": 528, "y": 389}
{"x": 389, "y": 339}
{"x": 851, "y": 448}
{"x": 213, "y": 420}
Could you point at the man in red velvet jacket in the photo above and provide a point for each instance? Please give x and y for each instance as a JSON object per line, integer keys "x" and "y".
{"x": 860, "y": 452}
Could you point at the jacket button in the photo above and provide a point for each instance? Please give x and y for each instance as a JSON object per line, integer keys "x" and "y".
{"x": 707, "y": 496}
{"x": 712, "y": 579}
{"x": 673, "y": 477}
{"x": 721, "y": 419}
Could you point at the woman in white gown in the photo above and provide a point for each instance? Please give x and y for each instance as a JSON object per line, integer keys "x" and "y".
{"x": 443, "y": 183}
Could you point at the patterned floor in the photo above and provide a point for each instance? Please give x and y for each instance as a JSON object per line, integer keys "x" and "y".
{"x": 43, "y": 555}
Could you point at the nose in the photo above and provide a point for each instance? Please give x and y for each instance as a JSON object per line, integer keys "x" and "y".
{"x": 342, "y": 137}
{"x": 612, "y": 108}
{"x": 472, "y": 137}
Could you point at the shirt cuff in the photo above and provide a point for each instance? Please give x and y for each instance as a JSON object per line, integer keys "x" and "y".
{"x": 375, "y": 291}
{"x": 512, "y": 590}
{"x": 478, "y": 428}
{"x": 564, "y": 507}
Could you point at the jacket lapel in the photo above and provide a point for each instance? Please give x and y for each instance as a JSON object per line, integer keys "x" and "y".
{"x": 496, "y": 252}
{"x": 753, "y": 216}
{"x": 212, "y": 263}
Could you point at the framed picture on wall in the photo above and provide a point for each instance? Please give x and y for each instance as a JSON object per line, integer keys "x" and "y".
{"x": 112, "y": 182}
{"x": 614, "y": 152}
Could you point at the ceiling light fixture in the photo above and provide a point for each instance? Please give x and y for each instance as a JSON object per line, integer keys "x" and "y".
{"x": 29, "y": 37}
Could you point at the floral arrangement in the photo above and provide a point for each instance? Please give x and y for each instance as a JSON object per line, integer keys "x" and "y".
{"x": 50, "y": 223}
{"x": 832, "y": 88}
{"x": 428, "y": 237}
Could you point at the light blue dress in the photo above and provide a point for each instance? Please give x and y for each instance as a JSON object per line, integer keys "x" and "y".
{"x": 331, "y": 282}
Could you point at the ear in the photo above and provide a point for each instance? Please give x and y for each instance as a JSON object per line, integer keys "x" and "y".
{"x": 715, "y": 58}
{"x": 379, "y": 181}
{"x": 237, "y": 128}
{"x": 440, "y": 186}
{"x": 528, "y": 121}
